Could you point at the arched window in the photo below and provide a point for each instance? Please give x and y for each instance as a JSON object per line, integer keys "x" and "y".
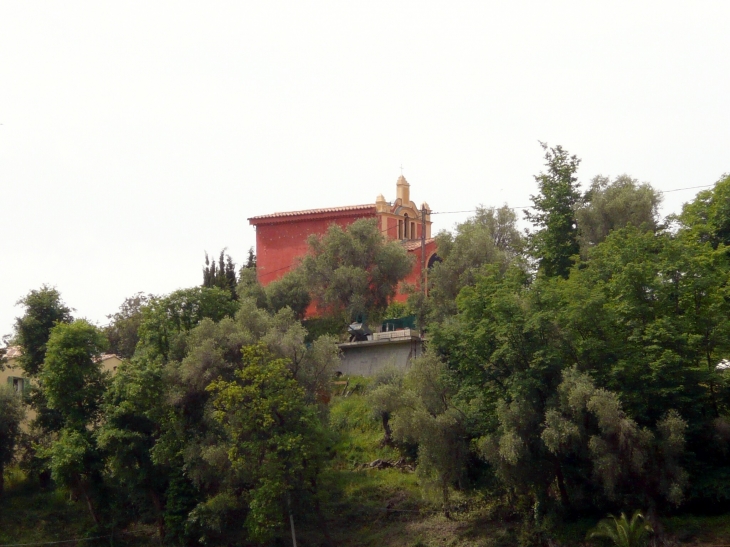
{"x": 434, "y": 258}
{"x": 405, "y": 226}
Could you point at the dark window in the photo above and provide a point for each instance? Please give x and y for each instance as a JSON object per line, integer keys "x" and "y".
{"x": 434, "y": 258}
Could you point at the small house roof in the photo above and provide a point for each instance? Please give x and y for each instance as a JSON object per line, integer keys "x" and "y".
{"x": 415, "y": 244}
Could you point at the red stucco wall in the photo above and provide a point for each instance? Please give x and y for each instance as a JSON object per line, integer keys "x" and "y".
{"x": 414, "y": 278}
{"x": 279, "y": 244}
{"x": 281, "y": 241}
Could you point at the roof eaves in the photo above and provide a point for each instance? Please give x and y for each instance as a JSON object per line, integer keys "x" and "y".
{"x": 288, "y": 215}
{"x": 415, "y": 244}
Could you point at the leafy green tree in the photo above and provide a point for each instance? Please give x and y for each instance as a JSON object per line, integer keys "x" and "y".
{"x": 555, "y": 242}
{"x": 137, "y": 410}
{"x": 609, "y": 205}
{"x": 122, "y": 331}
{"x": 43, "y": 310}
{"x": 158, "y": 435}
{"x": 628, "y": 462}
{"x": 431, "y": 416}
{"x": 165, "y": 320}
{"x": 646, "y": 315}
{"x": 354, "y": 271}
{"x": 222, "y": 276}
{"x": 12, "y": 413}
{"x": 251, "y": 260}
{"x": 71, "y": 376}
{"x": 190, "y": 439}
{"x": 249, "y": 287}
{"x": 622, "y": 531}
{"x": 649, "y": 317}
{"x": 134, "y": 412}
{"x": 385, "y": 398}
{"x": 289, "y": 291}
{"x": 75, "y": 464}
{"x": 73, "y": 383}
{"x": 707, "y": 217}
{"x": 271, "y": 439}
{"x": 491, "y": 339}
{"x": 489, "y": 237}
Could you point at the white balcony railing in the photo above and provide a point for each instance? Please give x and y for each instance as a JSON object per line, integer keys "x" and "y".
{"x": 396, "y": 334}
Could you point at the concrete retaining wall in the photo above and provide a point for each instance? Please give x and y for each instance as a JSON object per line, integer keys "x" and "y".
{"x": 367, "y": 358}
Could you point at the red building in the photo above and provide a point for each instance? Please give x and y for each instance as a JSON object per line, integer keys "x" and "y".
{"x": 281, "y": 238}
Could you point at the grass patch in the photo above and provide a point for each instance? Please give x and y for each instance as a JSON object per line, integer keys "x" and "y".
{"x": 702, "y": 529}
{"x": 29, "y": 514}
{"x": 387, "y": 508}
{"x": 358, "y": 434}
{"x": 362, "y": 507}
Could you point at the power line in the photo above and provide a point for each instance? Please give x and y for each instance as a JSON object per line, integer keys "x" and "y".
{"x": 532, "y": 207}
{"x": 54, "y": 542}
{"x": 688, "y": 188}
{"x": 475, "y": 210}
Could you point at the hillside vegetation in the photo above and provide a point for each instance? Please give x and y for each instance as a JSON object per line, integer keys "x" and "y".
{"x": 576, "y": 371}
{"x": 366, "y": 507}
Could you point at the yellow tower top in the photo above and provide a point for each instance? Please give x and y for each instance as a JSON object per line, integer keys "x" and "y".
{"x": 403, "y": 190}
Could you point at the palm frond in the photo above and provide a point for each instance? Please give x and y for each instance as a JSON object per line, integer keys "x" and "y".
{"x": 622, "y": 531}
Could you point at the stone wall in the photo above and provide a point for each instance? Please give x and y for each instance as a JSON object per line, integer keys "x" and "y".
{"x": 367, "y": 358}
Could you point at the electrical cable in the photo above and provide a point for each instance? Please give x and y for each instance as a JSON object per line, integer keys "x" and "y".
{"x": 53, "y": 542}
{"x": 475, "y": 210}
{"x": 532, "y": 207}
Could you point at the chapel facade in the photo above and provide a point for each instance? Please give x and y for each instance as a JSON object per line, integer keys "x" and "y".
{"x": 281, "y": 238}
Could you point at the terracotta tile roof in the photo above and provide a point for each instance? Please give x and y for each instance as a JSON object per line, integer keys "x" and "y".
{"x": 13, "y": 352}
{"x": 415, "y": 244}
{"x": 16, "y": 351}
{"x": 344, "y": 209}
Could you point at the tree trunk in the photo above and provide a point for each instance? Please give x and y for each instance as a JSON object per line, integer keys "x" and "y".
{"x": 2, "y": 479}
{"x": 89, "y": 504}
{"x": 388, "y": 432}
{"x": 445, "y": 494}
{"x": 561, "y": 485}
{"x": 159, "y": 517}
{"x": 713, "y": 397}
{"x": 320, "y": 514}
{"x": 291, "y": 520}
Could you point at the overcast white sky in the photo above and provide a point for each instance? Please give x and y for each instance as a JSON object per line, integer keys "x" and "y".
{"x": 137, "y": 135}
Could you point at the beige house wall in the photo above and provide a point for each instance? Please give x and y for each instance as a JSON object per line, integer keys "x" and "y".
{"x": 13, "y": 370}
{"x": 109, "y": 363}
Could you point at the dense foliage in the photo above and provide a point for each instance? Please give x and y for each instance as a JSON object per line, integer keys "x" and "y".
{"x": 571, "y": 371}
{"x": 43, "y": 310}
{"x": 355, "y": 271}
{"x": 555, "y": 242}
{"x": 222, "y": 274}
{"x": 11, "y": 415}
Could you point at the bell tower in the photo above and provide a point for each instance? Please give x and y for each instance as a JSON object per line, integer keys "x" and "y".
{"x": 403, "y": 190}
